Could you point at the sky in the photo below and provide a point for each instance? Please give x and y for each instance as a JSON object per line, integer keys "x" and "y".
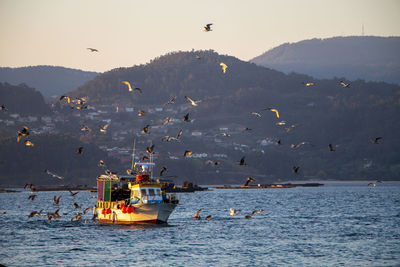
{"x": 131, "y": 32}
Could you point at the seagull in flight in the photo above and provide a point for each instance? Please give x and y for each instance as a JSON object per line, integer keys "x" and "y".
{"x": 150, "y": 149}
{"x": 297, "y": 145}
{"x": 130, "y": 88}
{"x": 273, "y": 110}
{"x": 103, "y": 129}
{"x": 330, "y": 147}
{"x": 295, "y": 169}
{"x": 23, "y": 132}
{"x": 80, "y": 150}
{"x": 194, "y": 103}
{"x": 35, "y": 213}
{"x": 171, "y": 101}
{"x": 53, "y": 174}
{"x": 344, "y": 85}
{"x": 163, "y": 170}
{"x": 67, "y": 98}
{"x": 85, "y": 128}
{"x": 376, "y": 140}
{"x": 56, "y": 200}
{"x": 29, "y": 143}
{"x": 256, "y": 114}
{"x": 291, "y": 127}
{"x": 186, "y": 118}
{"x": 207, "y": 28}
{"x": 187, "y": 153}
{"x": 146, "y": 129}
{"x": 242, "y": 161}
{"x": 224, "y": 67}
{"x": 210, "y": 162}
{"x": 248, "y": 180}
{"x": 92, "y": 49}
{"x": 73, "y": 194}
{"x": 32, "y": 197}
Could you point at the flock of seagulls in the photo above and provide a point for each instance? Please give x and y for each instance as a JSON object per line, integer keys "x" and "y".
{"x": 56, "y": 202}
{"x": 232, "y": 212}
{"x": 80, "y": 103}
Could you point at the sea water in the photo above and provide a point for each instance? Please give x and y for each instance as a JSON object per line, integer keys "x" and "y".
{"x": 339, "y": 224}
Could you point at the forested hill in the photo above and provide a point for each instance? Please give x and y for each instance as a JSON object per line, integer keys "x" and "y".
{"x": 322, "y": 113}
{"x": 243, "y": 87}
{"x": 231, "y": 120}
{"x": 49, "y": 80}
{"x": 180, "y": 74}
{"x": 22, "y": 100}
{"x": 355, "y": 57}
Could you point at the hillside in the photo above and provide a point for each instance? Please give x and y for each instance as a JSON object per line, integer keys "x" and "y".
{"x": 49, "y": 80}
{"x": 320, "y": 114}
{"x": 357, "y": 57}
{"x": 22, "y": 100}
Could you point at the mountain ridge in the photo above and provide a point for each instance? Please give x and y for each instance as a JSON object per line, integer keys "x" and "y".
{"x": 49, "y": 80}
{"x": 371, "y": 58}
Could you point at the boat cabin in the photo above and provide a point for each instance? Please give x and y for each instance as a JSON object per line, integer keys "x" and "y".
{"x": 113, "y": 190}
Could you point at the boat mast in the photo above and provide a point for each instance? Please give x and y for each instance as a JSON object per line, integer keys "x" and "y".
{"x": 133, "y": 153}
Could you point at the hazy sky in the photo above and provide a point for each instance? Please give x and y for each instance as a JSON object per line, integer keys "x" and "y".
{"x": 130, "y": 32}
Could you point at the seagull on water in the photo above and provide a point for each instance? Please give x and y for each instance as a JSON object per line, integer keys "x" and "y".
{"x": 233, "y": 212}
{"x": 197, "y": 215}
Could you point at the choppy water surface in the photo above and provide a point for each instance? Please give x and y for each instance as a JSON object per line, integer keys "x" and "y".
{"x": 337, "y": 224}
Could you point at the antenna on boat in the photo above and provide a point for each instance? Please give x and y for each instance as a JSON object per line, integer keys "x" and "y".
{"x": 133, "y": 153}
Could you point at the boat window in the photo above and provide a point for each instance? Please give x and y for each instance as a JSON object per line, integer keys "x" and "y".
{"x": 158, "y": 192}
{"x": 151, "y": 192}
{"x": 144, "y": 193}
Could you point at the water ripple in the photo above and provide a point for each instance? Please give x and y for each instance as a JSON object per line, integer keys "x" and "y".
{"x": 335, "y": 225}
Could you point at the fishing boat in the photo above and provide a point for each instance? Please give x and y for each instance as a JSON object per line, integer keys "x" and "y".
{"x": 134, "y": 198}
